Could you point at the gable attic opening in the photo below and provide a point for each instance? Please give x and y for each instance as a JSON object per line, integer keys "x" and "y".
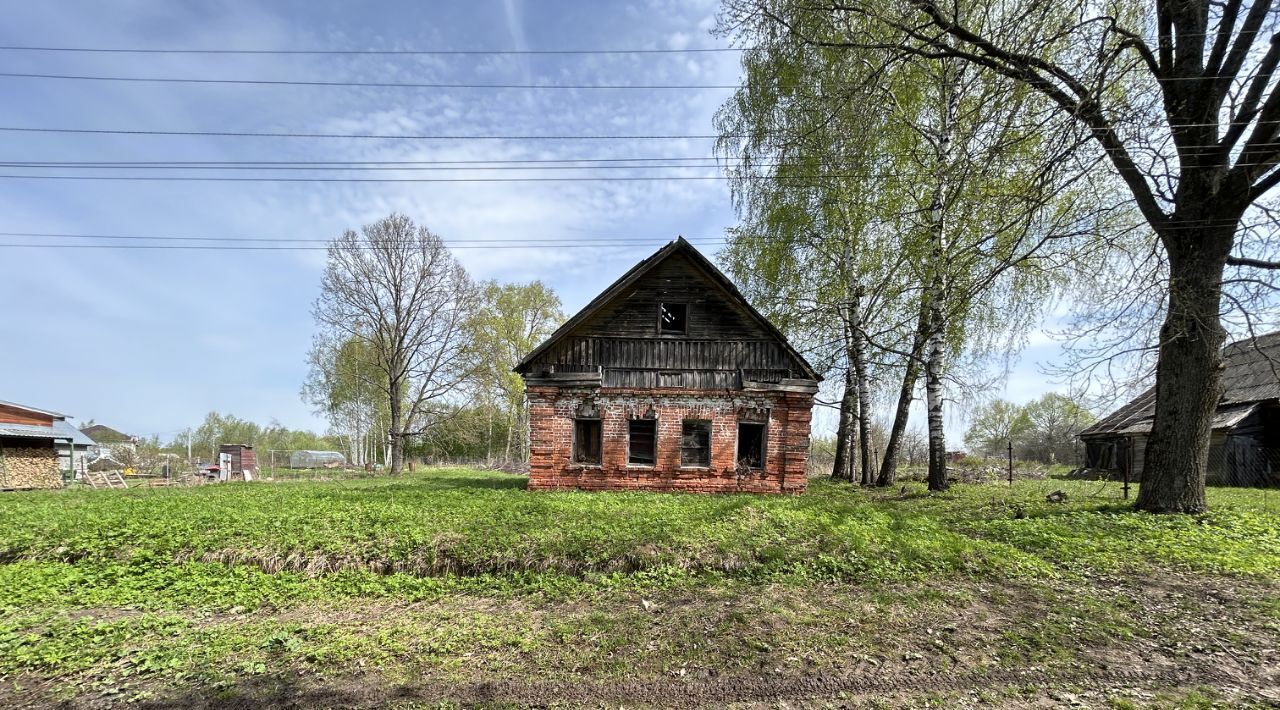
{"x": 673, "y": 318}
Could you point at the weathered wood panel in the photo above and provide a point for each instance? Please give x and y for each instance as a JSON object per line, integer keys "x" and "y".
{"x": 18, "y": 415}
{"x": 581, "y": 354}
{"x": 712, "y": 315}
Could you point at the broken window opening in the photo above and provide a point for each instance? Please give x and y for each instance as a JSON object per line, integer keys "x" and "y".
{"x": 673, "y": 318}
{"x": 642, "y": 437}
{"x": 695, "y": 443}
{"x": 586, "y": 441}
{"x": 751, "y": 445}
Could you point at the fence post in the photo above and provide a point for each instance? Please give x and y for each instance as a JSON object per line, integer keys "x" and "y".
{"x": 1127, "y": 468}
{"x": 1011, "y": 462}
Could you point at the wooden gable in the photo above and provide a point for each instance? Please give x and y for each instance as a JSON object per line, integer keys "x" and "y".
{"x": 17, "y": 414}
{"x": 713, "y": 314}
{"x": 617, "y": 335}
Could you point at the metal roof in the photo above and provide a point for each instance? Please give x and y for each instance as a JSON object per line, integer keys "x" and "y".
{"x": 61, "y": 429}
{"x": 31, "y": 431}
{"x": 1251, "y": 375}
{"x": 78, "y": 437}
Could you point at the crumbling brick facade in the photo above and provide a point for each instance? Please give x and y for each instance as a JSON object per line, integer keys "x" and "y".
{"x": 669, "y": 381}
{"x": 553, "y": 410}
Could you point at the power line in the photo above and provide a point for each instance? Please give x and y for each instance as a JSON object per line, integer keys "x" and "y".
{"x": 219, "y": 163}
{"x": 378, "y": 136}
{"x": 584, "y": 178}
{"x": 508, "y": 240}
{"x": 360, "y": 84}
{"x": 358, "y": 168}
{"x": 371, "y": 52}
{"x": 255, "y": 247}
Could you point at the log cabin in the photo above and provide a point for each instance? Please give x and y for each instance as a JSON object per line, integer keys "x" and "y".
{"x": 669, "y": 380}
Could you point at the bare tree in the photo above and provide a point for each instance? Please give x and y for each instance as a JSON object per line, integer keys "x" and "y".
{"x": 395, "y": 287}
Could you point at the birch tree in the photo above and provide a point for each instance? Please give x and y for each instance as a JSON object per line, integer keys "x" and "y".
{"x": 511, "y": 321}
{"x": 1180, "y": 97}
{"x": 956, "y": 187}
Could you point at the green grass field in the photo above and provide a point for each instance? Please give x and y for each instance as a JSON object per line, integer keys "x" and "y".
{"x": 439, "y": 585}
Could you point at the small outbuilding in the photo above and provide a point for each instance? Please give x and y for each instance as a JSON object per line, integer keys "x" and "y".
{"x": 669, "y": 380}
{"x": 237, "y": 462}
{"x": 36, "y": 446}
{"x": 1244, "y": 447}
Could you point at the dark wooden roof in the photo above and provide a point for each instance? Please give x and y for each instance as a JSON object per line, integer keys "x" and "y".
{"x": 1251, "y": 374}
{"x": 103, "y": 434}
{"x": 618, "y": 288}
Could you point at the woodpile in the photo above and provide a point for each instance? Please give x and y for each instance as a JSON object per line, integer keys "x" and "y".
{"x": 28, "y": 467}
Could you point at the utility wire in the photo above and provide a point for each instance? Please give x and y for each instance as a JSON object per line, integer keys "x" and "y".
{"x": 389, "y": 136}
{"x": 509, "y": 240}
{"x": 371, "y": 52}
{"x": 588, "y": 178}
{"x": 238, "y": 247}
{"x": 219, "y": 163}
{"x": 365, "y": 168}
{"x": 361, "y": 84}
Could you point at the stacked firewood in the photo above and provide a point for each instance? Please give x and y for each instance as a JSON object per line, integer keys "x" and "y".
{"x": 26, "y": 467}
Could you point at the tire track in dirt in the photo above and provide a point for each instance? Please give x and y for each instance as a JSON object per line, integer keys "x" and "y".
{"x": 373, "y": 691}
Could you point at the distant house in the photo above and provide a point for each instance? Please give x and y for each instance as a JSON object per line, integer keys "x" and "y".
{"x": 36, "y": 445}
{"x": 669, "y": 380}
{"x": 1244, "y": 447}
{"x": 110, "y": 442}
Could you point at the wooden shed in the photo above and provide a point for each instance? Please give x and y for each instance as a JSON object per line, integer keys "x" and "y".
{"x": 669, "y": 380}
{"x": 237, "y": 460}
{"x": 1244, "y": 445}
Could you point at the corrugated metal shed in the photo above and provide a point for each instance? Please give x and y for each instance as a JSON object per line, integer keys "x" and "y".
{"x": 1251, "y": 374}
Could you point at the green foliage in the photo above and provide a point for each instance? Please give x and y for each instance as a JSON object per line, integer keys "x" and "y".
{"x": 229, "y": 429}
{"x": 460, "y": 573}
{"x": 1042, "y": 430}
{"x": 511, "y": 321}
{"x": 250, "y": 544}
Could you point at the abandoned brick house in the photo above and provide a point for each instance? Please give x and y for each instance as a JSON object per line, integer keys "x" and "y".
{"x": 669, "y": 380}
{"x": 1244, "y": 446}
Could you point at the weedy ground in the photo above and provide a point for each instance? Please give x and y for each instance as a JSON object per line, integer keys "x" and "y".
{"x": 458, "y": 587}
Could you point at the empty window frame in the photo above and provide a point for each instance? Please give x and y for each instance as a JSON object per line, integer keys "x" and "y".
{"x": 673, "y": 318}
{"x": 695, "y": 443}
{"x": 751, "y": 451}
{"x": 586, "y": 441}
{"x": 642, "y": 442}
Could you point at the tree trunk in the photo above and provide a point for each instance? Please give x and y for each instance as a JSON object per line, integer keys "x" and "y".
{"x": 858, "y": 358}
{"x": 1188, "y": 371}
{"x": 842, "y": 468}
{"x": 933, "y": 399}
{"x": 396, "y": 428}
{"x": 936, "y": 297}
{"x": 889, "y": 465}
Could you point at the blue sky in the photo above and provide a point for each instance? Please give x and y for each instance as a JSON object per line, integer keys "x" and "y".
{"x": 148, "y": 341}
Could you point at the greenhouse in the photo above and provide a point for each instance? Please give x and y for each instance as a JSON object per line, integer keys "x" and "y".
{"x": 317, "y": 459}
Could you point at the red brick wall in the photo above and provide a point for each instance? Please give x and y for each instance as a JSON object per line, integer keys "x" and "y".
{"x": 552, "y": 411}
